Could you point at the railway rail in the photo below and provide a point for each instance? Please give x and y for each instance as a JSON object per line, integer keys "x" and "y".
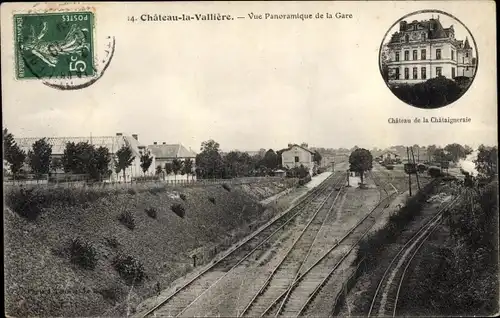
{"x": 183, "y": 297}
{"x": 290, "y": 265}
{"x": 385, "y": 299}
{"x": 295, "y": 300}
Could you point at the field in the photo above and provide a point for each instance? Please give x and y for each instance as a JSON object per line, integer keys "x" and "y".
{"x": 44, "y": 277}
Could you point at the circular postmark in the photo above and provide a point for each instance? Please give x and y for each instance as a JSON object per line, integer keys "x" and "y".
{"x": 428, "y": 59}
{"x": 60, "y": 49}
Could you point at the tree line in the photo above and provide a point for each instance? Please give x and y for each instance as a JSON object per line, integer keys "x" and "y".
{"x": 211, "y": 163}
{"x": 97, "y": 163}
{"x": 78, "y": 158}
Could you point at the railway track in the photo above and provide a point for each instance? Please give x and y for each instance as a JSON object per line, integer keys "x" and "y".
{"x": 294, "y": 301}
{"x": 282, "y": 276}
{"x": 384, "y": 301}
{"x": 183, "y": 297}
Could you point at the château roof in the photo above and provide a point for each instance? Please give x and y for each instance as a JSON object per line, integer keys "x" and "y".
{"x": 432, "y": 28}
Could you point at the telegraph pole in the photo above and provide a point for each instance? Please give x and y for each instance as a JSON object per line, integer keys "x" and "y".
{"x": 409, "y": 174}
{"x": 416, "y": 170}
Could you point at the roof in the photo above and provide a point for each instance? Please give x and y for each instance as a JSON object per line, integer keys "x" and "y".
{"x": 113, "y": 143}
{"x": 295, "y": 145}
{"x": 432, "y": 27}
{"x": 171, "y": 151}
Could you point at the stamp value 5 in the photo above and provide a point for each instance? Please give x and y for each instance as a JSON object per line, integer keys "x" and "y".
{"x": 54, "y": 45}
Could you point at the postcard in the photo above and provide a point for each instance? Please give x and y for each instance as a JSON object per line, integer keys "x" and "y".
{"x": 250, "y": 159}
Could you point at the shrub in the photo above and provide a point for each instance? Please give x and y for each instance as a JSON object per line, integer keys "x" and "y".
{"x": 131, "y": 191}
{"x": 112, "y": 242}
{"x": 147, "y": 178}
{"x": 27, "y": 203}
{"x": 183, "y": 196}
{"x": 83, "y": 254}
{"x": 179, "y": 210}
{"x": 305, "y": 180}
{"x": 434, "y": 172}
{"x": 112, "y": 294}
{"x": 127, "y": 219}
{"x": 130, "y": 269}
{"x": 226, "y": 187}
{"x": 433, "y": 93}
{"x": 151, "y": 212}
{"x": 212, "y": 199}
{"x": 156, "y": 190}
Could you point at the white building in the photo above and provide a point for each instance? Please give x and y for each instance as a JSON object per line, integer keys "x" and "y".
{"x": 297, "y": 155}
{"x": 113, "y": 143}
{"x": 164, "y": 153}
{"x": 421, "y": 50}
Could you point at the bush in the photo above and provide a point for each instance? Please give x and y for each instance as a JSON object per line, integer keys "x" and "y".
{"x": 130, "y": 269}
{"x": 389, "y": 167}
{"x": 147, "y": 178}
{"x": 83, "y": 254}
{"x": 156, "y": 190}
{"x": 112, "y": 242}
{"x": 433, "y": 93}
{"x": 305, "y": 180}
{"x": 183, "y": 196}
{"x": 226, "y": 187}
{"x": 28, "y": 203}
{"x": 131, "y": 191}
{"x": 127, "y": 219}
{"x": 151, "y": 212}
{"x": 434, "y": 172}
{"x": 212, "y": 199}
{"x": 179, "y": 210}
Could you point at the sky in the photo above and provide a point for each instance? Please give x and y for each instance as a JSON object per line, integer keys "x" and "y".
{"x": 251, "y": 84}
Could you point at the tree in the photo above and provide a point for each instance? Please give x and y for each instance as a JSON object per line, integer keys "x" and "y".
{"x": 270, "y": 159}
{"x": 39, "y": 157}
{"x": 456, "y": 151}
{"x": 146, "y": 161}
{"x": 168, "y": 168}
{"x": 317, "y": 158}
{"x": 487, "y": 162}
{"x": 209, "y": 160}
{"x": 188, "y": 166}
{"x": 125, "y": 159}
{"x": 102, "y": 158}
{"x": 468, "y": 150}
{"x": 14, "y": 155}
{"x": 55, "y": 163}
{"x": 430, "y": 152}
{"x": 159, "y": 170}
{"x": 176, "y": 167}
{"x": 360, "y": 161}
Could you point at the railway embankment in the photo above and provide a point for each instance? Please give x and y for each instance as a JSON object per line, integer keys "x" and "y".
{"x": 88, "y": 252}
{"x": 453, "y": 273}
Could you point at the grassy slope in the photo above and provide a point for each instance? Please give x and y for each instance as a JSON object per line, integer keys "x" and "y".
{"x": 40, "y": 280}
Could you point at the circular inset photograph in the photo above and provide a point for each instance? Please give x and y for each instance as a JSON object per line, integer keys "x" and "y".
{"x": 428, "y": 59}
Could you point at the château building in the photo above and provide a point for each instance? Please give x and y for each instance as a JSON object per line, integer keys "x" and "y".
{"x": 421, "y": 50}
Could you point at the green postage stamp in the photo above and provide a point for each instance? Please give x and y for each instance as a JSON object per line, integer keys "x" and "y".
{"x": 54, "y": 45}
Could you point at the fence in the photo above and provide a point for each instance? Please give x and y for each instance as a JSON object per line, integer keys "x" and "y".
{"x": 83, "y": 182}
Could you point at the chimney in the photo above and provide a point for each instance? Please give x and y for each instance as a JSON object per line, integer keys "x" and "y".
{"x": 164, "y": 143}
{"x": 402, "y": 26}
{"x": 290, "y": 145}
{"x": 119, "y": 134}
{"x": 155, "y": 143}
{"x": 135, "y": 136}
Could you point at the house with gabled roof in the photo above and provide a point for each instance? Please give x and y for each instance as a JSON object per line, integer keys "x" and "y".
{"x": 112, "y": 143}
{"x": 168, "y": 152}
{"x": 296, "y": 155}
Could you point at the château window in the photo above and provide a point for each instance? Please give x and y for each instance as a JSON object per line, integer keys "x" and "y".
{"x": 438, "y": 71}
{"x": 407, "y": 55}
{"x": 466, "y": 54}
{"x": 407, "y": 73}
{"x": 423, "y": 72}
{"x": 415, "y": 73}
{"x": 407, "y": 38}
{"x": 423, "y": 54}
{"x": 397, "y": 56}
{"x": 296, "y": 158}
{"x": 452, "y": 72}
{"x": 438, "y": 54}
{"x": 396, "y": 73}
{"x": 415, "y": 55}
{"x": 423, "y": 36}
{"x": 452, "y": 55}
